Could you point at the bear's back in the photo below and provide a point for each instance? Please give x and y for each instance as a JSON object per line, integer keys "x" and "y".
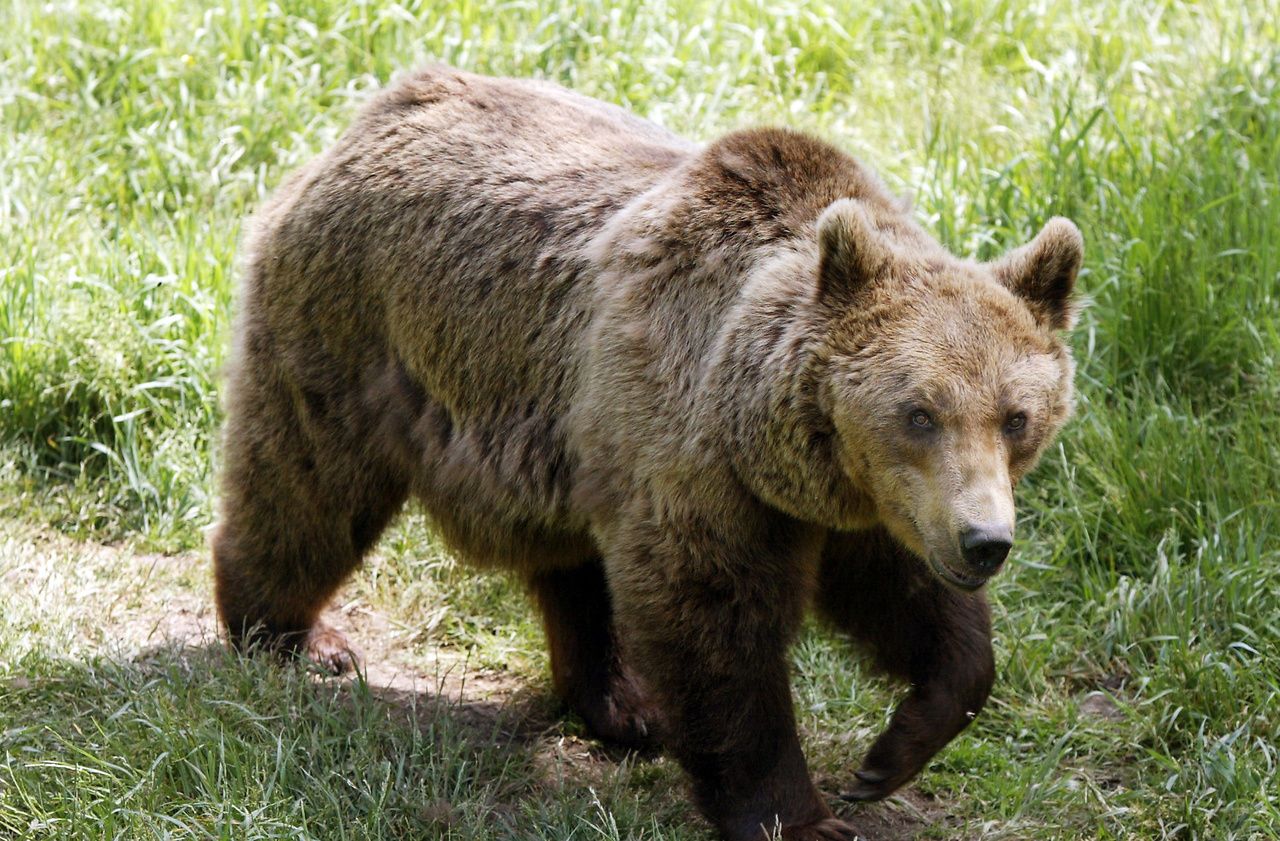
{"x": 458, "y": 207}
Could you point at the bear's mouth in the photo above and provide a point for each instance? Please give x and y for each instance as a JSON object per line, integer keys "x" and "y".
{"x": 956, "y": 579}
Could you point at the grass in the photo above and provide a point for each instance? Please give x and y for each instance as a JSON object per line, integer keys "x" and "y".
{"x": 137, "y": 136}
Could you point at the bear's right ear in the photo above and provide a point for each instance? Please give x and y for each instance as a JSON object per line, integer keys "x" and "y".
{"x": 1043, "y": 272}
{"x": 850, "y": 250}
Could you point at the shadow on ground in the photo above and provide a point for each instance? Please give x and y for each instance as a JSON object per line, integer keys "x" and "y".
{"x": 196, "y": 736}
{"x": 145, "y": 725}
{"x": 190, "y": 729}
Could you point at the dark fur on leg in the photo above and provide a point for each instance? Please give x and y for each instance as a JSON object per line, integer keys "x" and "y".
{"x": 302, "y": 502}
{"x": 707, "y": 616}
{"x": 919, "y": 630}
{"x": 588, "y": 674}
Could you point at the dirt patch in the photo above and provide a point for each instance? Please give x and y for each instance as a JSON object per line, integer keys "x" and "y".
{"x": 1101, "y": 705}
{"x": 903, "y": 817}
{"x": 119, "y": 603}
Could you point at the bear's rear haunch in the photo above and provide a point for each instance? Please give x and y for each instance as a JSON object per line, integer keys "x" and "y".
{"x": 686, "y": 392}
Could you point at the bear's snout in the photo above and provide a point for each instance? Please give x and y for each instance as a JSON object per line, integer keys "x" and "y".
{"x": 985, "y": 547}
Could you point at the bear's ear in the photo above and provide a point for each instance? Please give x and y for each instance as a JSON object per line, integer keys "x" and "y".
{"x": 850, "y": 250}
{"x": 1043, "y": 272}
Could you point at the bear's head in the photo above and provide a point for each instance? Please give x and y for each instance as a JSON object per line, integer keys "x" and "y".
{"x": 945, "y": 379}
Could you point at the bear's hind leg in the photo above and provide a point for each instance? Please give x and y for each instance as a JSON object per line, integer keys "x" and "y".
{"x": 917, "y": 629}
{"x": 301, "y": 504}
{"x": 577, "y": 616}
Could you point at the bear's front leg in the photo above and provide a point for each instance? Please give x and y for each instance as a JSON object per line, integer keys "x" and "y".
{"x": 706, "y": 617}
{"x": 918, "y": 629}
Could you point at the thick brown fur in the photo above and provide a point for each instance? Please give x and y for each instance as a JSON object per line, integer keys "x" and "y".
{"x": 679, "y": 389}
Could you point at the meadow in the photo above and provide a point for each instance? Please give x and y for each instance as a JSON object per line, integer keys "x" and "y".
{"x": 1137, "y": 628}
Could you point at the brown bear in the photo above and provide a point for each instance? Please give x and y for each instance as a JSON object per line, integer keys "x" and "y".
{"x": 685, "y": 391}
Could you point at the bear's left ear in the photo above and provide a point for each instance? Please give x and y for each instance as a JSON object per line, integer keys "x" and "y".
{"x": 850, "y": 250}
{"x": 1043, "y": 272}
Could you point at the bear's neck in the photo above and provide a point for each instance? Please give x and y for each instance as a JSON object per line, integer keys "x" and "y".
{"x": 770, "y": 371}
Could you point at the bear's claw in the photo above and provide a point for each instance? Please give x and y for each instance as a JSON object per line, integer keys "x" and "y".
{"x": 329, "y": 650}
{"x": 873, "y": 784}
{"x": 625, "y": 718}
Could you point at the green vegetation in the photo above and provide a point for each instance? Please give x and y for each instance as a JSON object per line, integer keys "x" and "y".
{"x": 135, "y": 137}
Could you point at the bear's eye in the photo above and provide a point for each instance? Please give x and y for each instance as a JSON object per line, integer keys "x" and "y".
{"x": 920, "y": 419}
{"x": 1016, "y": 423}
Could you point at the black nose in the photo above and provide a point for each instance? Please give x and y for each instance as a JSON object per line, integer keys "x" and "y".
{"x": 986, "y": 547}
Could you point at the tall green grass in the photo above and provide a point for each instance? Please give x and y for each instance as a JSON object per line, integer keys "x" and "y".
{"x": 135, "y": 136}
